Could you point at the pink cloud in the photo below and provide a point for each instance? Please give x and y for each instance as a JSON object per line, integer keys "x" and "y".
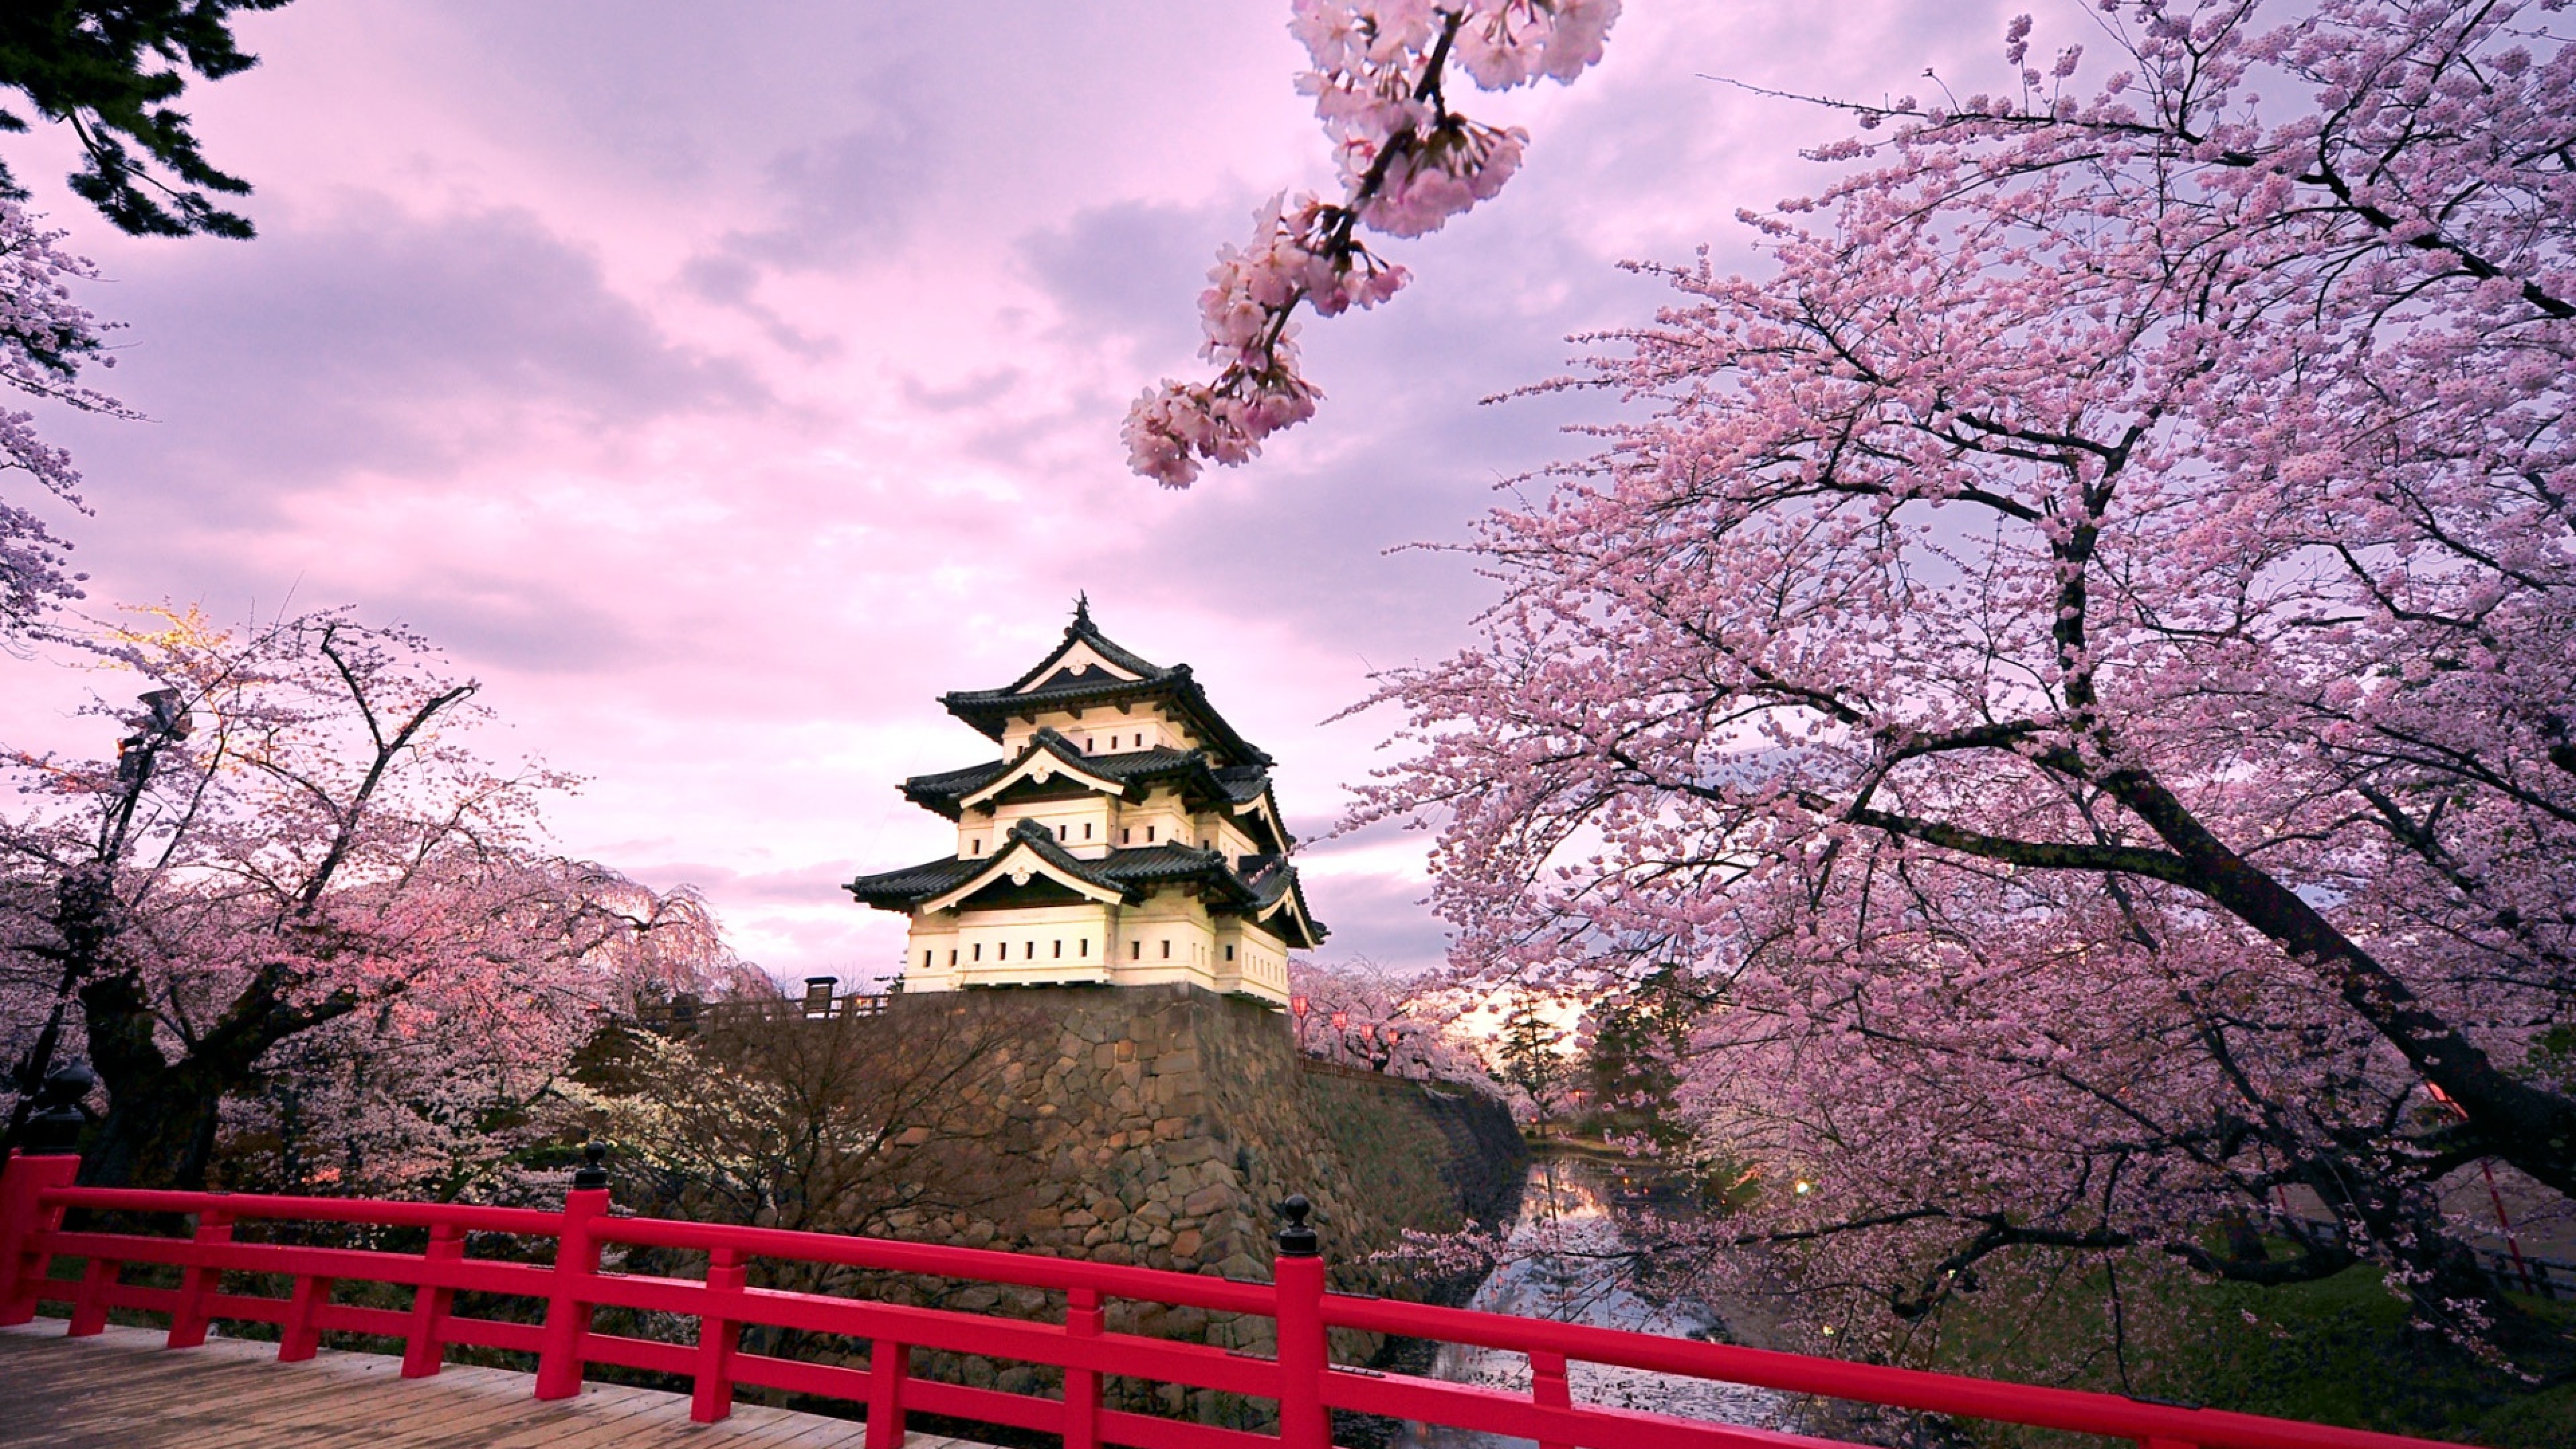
{"x": 723, "y": 384}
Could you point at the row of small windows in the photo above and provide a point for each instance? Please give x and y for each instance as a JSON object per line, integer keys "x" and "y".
{"x": 1064, "y": 834}
{"x": 1029, "y": 951}
{"x": 1126, "y": 836}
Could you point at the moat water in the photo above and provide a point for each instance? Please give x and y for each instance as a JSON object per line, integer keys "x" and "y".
{"x": 1563, "y": 1262}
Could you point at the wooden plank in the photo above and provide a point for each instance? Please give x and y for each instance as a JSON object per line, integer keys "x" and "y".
{"x": 138, "y": 1393}
{"x": 123, "y": 1390}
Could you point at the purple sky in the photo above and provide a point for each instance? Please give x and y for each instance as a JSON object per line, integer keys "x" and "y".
{"x": 721, "y": 383}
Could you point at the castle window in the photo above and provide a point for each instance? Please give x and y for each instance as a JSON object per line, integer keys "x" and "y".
{"x": 1126, "y": 834}
{"x": 1086, "y": 948}
{"x": 1032, "y": 953}
{"x": 1135, "y": 950}
{"x": 979, "y": 845}
{"x": 1086, "y": 830}
{"x": 952, "y": 956}
{"x": 1059, "y": 833}
{"x": 1229, "y": 953}
{"x": 1149, "y": 835}
{"x": 1086, "y": 744}
{"x": 1167, "y": 948}
{"x": 1059, "y": 948}
{"x": 925, "y": 960}
{"x": 979, "y": 950}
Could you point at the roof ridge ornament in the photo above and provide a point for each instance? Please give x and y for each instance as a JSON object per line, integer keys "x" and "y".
{"x": 1081, "y": 613}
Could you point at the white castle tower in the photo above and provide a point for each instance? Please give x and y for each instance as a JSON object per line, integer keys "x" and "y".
{"x": 1127, "y": 836}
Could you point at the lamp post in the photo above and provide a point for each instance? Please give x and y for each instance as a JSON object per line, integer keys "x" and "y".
{"x": 55, "y": 1127}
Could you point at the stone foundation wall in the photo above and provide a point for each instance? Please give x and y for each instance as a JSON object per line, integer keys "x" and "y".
{"x": 1170, "y": 1119}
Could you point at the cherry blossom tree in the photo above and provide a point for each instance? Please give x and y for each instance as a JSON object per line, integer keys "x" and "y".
{"x": 2074, "y": 661}
{"x": 1359, "y": 1014}
{"x": 441, "y": 1091}
{"x": 1408, "y": 164}
{"x": 847, "y": 1124}
{"x": 296, "y": 893}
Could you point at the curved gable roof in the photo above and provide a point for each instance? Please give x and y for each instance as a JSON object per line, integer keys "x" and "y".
{"x": 1048, "y": 754}
{"x": 1265, "y": 888}
{"x": 1244, "y": 789}
{"x": 1030, "y": 850}
{"x": 1126, "y": 677}
{"x": 1081, "y": 634}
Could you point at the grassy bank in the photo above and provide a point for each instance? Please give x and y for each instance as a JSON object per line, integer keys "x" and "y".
{"x": 2338, "y": 1351}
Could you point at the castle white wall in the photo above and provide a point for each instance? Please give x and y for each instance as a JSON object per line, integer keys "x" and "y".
{"x": 1168, "y": 937}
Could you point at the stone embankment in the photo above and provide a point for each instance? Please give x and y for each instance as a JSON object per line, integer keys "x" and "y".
{"x": 1169, "y": 1120}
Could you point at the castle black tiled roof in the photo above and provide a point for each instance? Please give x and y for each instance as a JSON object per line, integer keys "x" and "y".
{"x": 1130, "y": 769}
{"x": 1082, "y": 629}
{"x": 942, "y": 791}
{"x": 1046, "y": 686}
{"x": 1243, "y": 784}
{"x": 896, "y": 890}
{"x": 1254, "y": 890}
{"x": 1272, "y": 877}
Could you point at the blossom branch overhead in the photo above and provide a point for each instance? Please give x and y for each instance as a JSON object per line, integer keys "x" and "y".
{"x": 1408, "y": 164}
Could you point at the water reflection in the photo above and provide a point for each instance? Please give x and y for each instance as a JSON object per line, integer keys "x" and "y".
{"x": 1564, "y": 1265}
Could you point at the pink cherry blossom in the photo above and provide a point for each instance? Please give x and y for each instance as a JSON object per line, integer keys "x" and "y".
{"x": 296, "y": 901}
{"x": 1408, "y": 164}
{"x": 45, "y": 341}
{"x": 2072, "y": 660}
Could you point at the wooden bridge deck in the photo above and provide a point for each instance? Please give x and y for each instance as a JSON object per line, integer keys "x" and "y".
{"x": 123, "y": 1390}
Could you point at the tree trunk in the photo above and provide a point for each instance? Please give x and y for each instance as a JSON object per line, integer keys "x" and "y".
{"x": 161, "y": 1114}
{"x": 159, "y": 1131}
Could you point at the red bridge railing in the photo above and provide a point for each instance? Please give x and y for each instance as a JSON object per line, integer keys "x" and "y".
{"x": 36, "y": 1191}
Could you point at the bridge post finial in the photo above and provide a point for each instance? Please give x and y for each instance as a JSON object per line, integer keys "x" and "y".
{"x": 1303, "y": 1355}
{"x": 1296, "y": 1240}
{"x": 569, "y": 1296}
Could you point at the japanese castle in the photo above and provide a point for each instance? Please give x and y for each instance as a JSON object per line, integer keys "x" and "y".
{"x": 1126, "y": 837}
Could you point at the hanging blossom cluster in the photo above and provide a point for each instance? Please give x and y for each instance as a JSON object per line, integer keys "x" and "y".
{"x": 45, "y": 339}
{"x": 1408, "y": 164}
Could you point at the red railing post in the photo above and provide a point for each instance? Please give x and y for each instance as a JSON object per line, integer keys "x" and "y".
{"x": 889, "y": 1364}
{"x": 199, "y": 1283}
{"x": 425, "y": 1347}
{"x": 1297, "y": 1279}
{"x": 23, "y": 1220}
{"x": 576, "y": 1262}
{"x": 302, "y": 1336}
{"x": 34, "y": 1188}
{"x": 1082, "y": 1319}
{"x": 1549, "y": 1388}
{"x": 89, "y": 1309}
{"x": 711, "y": 1395}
